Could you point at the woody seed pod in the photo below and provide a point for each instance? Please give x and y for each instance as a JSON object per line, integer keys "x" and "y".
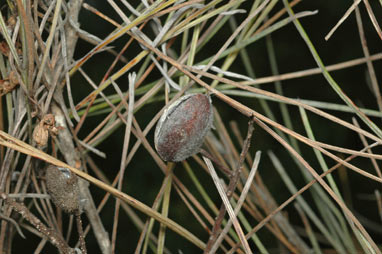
{"x": 40, "y": 135}
{"x": 181, "y": 129}
{"x": 46, "y": 126}
{"x": 63, "y": 188}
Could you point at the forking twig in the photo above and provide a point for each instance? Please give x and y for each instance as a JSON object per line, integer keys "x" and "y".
{"x": 52, "y": 235}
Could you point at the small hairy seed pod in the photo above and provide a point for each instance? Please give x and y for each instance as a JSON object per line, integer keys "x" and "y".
{"x": 181, "y": 129}
{"x": 63, "y": 188}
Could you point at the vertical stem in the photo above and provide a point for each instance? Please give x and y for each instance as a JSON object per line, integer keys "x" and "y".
{"x": 80, "y": 230}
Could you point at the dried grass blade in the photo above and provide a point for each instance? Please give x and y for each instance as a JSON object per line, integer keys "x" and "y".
{"x": 114, "y": 77}
{"x": 309, "y": 230}
{"x": 372, "y": 18}
{"x": 177, "y": 30}
{"x": 9, "y": 40}
{"x": 228, "y": 206}
{"x": 366, "y": 52}
{"x": 122, "y": 168}
{"x": 48, "y": 43}
{"x": 344, "y": 17}
{"x": 243, "y": 195}
{"x": 242, "y": 44}
{"x": 308, "y": 72}
{"x": 365, "y": 144}
{"x": 93, "y": 149}
{"x": 165, "y": 208}
{"x": 315, "y": 104}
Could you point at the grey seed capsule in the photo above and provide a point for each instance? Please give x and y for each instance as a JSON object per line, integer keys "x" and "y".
{"x": 63, "y": 188}
{"x": 181, "y": 130}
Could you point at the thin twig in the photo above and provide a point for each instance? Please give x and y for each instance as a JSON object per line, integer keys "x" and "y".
{"x": 14, "y": 223}
{"x": 81, "y": 235}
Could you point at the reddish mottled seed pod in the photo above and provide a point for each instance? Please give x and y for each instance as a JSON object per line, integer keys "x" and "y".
{"x": 181, "y": 129}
